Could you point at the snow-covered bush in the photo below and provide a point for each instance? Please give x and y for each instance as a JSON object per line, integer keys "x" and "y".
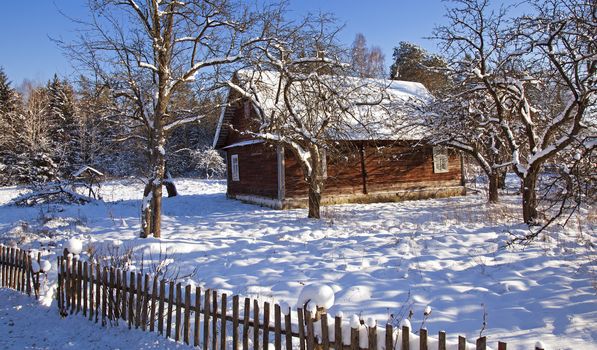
{"x": 210, "y": 162}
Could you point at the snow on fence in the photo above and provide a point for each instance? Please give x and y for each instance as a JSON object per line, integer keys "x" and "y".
{"x": 19, "y": 270}
{"x": 203, "y": 318}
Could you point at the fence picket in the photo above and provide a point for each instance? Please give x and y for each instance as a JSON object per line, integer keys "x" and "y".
{"x": 125, "y": 290}
{"x": 131, "y": 305}
{"x": 277, "y": 328}
{"x": 197, "y": 314}
{"x": 325, "y": 332}
{"x": 235, "y": 322}
{"x": 354, "y": 339}
{"x": 177, "y": 329}
{"x": 187, "y": 314}
{"x": 255, "y": 324}
{"x": 265, "y": 326}
{"x": 502, "y": 346}
{"x": 482, "y": 343}
{"x": 79, "y": 284}
{"x": 310, "y": 331}
{"x": 206, "y": 304}
{"x": 154, "y": 292}
{"x": 338, "y": 333}
{"x": 145, "y": 305}
{"x": 161, "y": 307}
{"x": 104, "y": 295}
{"x": 423, "y": 339}
{"x": 139, "y": 301}
{"x": 246, "y": 314}
{"x": 442, "y": 340}
{"x": 91, "y": 294}
{"x": 372, "y": 333}
{"x": 223, "y": 307}
{"x": 170, "y": 306}
{"x": 85, "y": 287}
{"x": 301, "y": 327}
{"x": 389, "y": 337}
{"x": 461, "y": 343}
{"x": 288, "y": 328}
{"x": 214, "y": 324}
{"x": 405, "y": 337}
{"x": 119, "y": 292}
{"x": 111, "y": 294}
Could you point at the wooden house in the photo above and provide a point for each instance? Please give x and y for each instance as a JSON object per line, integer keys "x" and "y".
{"x": 379, "y": 169}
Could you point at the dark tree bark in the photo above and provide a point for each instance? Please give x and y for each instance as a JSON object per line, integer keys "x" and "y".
{"x": 494, "y": 179}
{"x": 314, "y": 202}
{"x": 529, "y": 198}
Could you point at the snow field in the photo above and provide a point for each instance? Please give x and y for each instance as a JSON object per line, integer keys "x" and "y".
{"x": 380, "y": 260}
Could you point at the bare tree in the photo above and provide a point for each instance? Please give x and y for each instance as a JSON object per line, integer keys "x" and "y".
{"x": 519, "y": 64}
{"x": 366, "y": 62}
{"x": 147, "y": 52}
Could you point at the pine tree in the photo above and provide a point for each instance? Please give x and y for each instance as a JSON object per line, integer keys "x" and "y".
{"x": 413, "y": 63}
{"x": 63, "y": 125}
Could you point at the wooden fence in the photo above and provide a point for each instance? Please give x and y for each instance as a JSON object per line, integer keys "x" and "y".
{"x": 16, "y": 271}
{"x": 210, "y": 320}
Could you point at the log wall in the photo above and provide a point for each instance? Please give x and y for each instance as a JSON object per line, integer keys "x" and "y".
{"x": 258, "y": 171}
{"x": 387, "y": 167}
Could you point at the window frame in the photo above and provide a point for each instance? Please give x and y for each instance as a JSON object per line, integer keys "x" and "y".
{"x": 234, "y": 168}
{"x": 440, "y": 160}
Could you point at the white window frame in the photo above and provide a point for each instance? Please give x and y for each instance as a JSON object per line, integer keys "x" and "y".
{"x": 234, "y": 167}
{"x": 440, "y": 160}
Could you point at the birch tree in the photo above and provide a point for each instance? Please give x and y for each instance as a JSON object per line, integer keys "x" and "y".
{"x": 148, "y": 50}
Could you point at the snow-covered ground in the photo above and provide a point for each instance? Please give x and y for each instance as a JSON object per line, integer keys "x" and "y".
{"x": 381, "y": 259}
{"x": 25, "y": 324}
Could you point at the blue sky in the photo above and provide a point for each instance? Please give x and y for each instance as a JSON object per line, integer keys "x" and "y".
{"x": 27, "y": 25}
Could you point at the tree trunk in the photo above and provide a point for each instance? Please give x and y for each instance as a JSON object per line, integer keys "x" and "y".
{"x": 146, "y": 211}
{"x": 494, "y": 179}
{"x": 529, "y": 198}
{"x": 316, "y": 181}
{"x": 502, "y": 179}
{"x": 314, "y": 200}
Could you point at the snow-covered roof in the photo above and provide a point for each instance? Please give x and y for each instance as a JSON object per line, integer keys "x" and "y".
{"x": 377, "y": 112}
{"x": 85, "y": 168}
{"x": 243, "y": 143}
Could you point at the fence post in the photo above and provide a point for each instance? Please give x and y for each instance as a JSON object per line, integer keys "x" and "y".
{"x": 372, "y": 334}
{"x": 265, "y": 325}
{"x": 246, "y": 314}
{"x": 423, "y": 339}
{"x": 187, "y": 314}
{"x": 461, "y": 343}
{"x": 482, "y": 343}
{"x": 255, "y": 324}
{"x": 442, "y": 340}
{"x": 235, "y": 322}
{"x": 405, "y": 337}
{"x": 223, "y": 321}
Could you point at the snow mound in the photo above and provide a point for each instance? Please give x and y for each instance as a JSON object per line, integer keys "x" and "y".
{"x": 34, "y": 266}
{"x": 319, "y": 294}
{"x": 74, "y": 246}
{"x": 46, "y": 265}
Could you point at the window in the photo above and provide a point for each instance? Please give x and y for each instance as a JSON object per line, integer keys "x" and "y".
{"x": 234, "y": 167}
{"x": 440, "y": 160}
